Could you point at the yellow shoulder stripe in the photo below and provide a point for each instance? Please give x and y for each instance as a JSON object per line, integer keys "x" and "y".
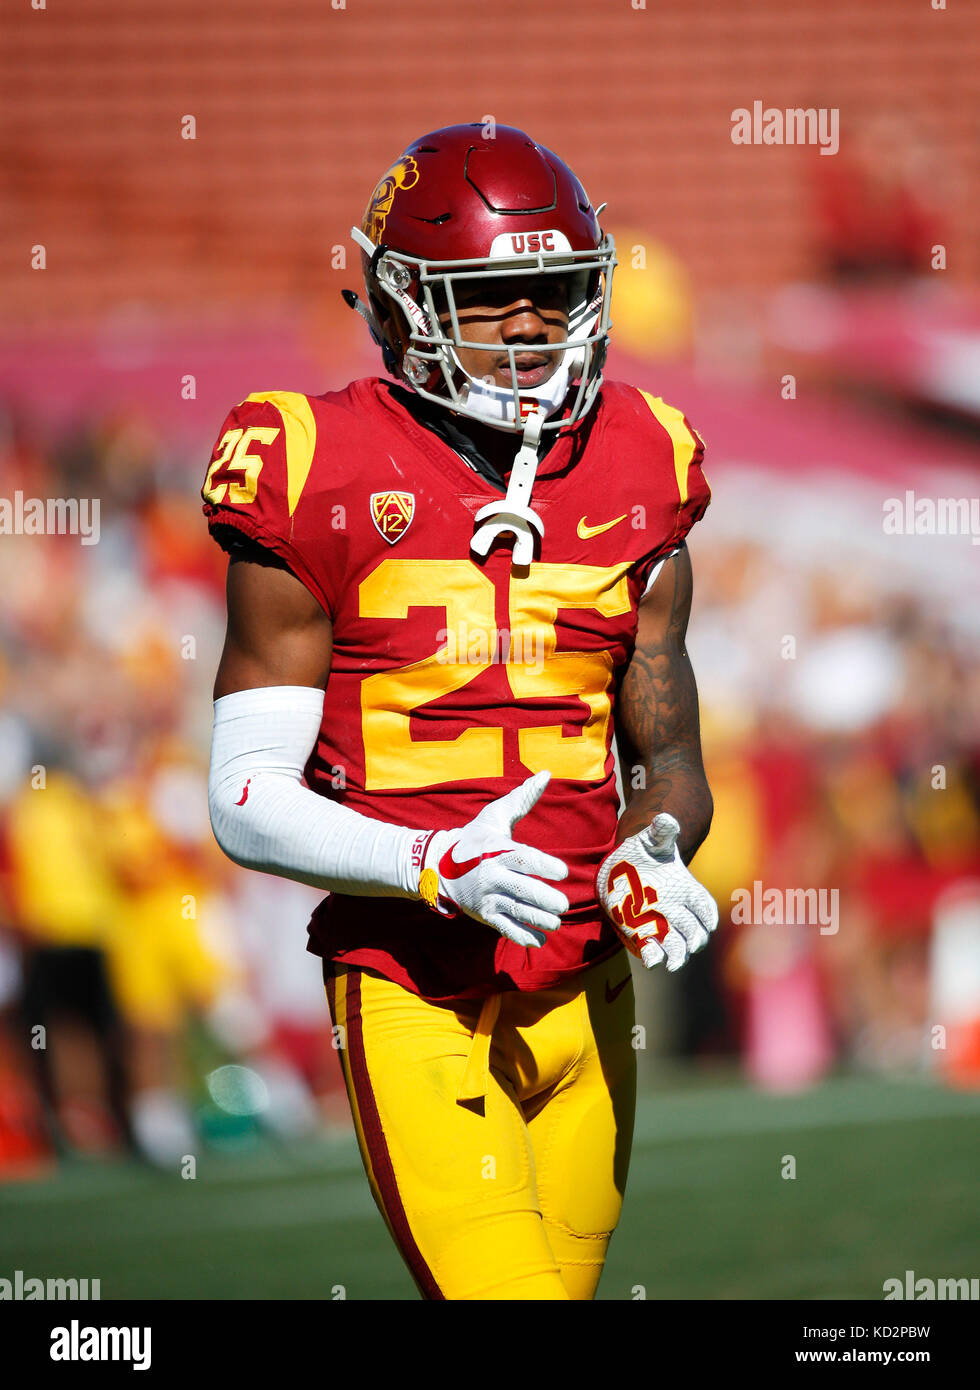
{"x": 300, "y": 427}
{"x": 683, "y": 438}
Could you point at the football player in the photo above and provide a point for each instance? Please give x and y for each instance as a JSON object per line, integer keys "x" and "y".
{"x": 445, "y": 593}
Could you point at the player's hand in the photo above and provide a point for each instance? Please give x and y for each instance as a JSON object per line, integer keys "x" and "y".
{"x": 656, "y": 904}
{"x": 480, "y": 870}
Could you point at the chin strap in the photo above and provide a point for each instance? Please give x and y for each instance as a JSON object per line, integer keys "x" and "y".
{"x": 514, "y": 512}
{"x": 496, "y": 404}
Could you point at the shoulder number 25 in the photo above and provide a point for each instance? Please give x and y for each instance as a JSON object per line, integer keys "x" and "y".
{"x": 233, "y": 454}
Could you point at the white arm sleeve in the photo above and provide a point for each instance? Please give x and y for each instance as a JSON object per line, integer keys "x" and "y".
{"x": 264, "y": 817}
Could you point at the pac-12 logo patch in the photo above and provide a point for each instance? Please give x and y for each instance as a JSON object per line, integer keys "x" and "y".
{"x": 392, "y": 513}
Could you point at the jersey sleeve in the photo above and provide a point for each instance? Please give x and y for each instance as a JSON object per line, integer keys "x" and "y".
{"x": 679, "y": 479}
{"x": 255, "y": 481}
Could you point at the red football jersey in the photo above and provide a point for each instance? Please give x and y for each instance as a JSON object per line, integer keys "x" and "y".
{"x": 453, "y": 678}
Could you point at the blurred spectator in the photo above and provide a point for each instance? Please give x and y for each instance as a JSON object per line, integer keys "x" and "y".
{"x": 879, "y": 202}
{"x": 65, "y": 905}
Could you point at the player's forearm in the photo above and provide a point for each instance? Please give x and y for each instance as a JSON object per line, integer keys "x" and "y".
{"x": 673, "y": 782}
{"x": 659, "y": 736}
{"x": 265, "y": 819}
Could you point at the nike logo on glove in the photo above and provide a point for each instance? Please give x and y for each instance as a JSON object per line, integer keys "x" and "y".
{"x": 451, "y": 868}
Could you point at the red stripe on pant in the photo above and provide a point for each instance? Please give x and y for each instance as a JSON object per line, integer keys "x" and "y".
{"x": 367, "y": 1109}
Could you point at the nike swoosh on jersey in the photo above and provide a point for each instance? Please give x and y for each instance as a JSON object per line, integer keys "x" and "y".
{"x": 586, "y": 532}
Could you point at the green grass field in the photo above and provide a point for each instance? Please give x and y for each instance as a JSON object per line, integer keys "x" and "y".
{"x": 886, "y": 1180}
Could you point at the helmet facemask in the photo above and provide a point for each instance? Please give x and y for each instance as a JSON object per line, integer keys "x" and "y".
{"x": 424, "y": 351}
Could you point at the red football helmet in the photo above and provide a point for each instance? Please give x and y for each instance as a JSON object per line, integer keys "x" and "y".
{"x": 472, "y": 202}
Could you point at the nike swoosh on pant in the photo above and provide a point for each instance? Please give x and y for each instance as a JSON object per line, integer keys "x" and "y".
{"x": 613, "y": 994}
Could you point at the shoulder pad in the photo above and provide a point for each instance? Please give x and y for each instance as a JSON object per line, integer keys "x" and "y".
{"x": 687, "y": 446}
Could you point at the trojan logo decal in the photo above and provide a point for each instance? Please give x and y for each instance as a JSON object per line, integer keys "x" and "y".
{"x": 404, "y": 174}
{"x": 637, "y": 908}
{"x": 392, "y": 513}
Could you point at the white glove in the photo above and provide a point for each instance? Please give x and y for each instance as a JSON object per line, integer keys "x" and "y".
{"x": 480, "y": 870}
{"x": 656, "y": 904}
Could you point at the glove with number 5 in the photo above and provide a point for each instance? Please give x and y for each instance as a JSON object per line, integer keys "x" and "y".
{"x": 480, "y": 870}
{"x": 657, "y": 906}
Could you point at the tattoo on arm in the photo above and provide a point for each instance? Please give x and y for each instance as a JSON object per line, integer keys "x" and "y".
{"x": 657, "y": 724}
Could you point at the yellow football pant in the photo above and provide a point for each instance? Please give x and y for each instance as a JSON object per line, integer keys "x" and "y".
{"x": 495, "y": 1134}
